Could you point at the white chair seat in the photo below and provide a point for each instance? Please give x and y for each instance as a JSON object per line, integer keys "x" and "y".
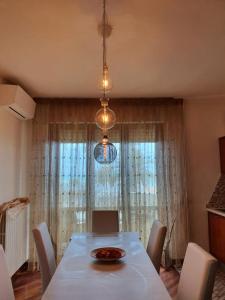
{"x": 6, "y": 289}
{"x": 197, "y": 275}
{"x": 156, "y": 243}
{"x": 45, "y": 252}
{"x": 105, "y": 221}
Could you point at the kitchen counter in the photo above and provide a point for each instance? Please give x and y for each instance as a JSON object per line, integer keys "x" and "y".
{"x": 220, "y": 212}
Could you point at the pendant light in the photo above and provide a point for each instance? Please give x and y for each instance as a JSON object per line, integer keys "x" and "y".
{"x": 105, "y": 152}
{"x": 105, "y": 118}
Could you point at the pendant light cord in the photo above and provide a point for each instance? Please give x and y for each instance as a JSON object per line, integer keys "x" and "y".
{"x": 104, "y": 64}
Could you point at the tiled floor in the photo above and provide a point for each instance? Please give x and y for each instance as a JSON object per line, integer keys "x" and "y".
{"x": 219, "y": 287}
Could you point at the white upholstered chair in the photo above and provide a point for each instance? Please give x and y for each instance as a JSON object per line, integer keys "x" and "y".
{"x": 197, "y": 274}
{"x": 6, "y": 289}
{"x": 105, "y": 221}
{"x": 46, "y": 255}
{"x": 155, "y": 243}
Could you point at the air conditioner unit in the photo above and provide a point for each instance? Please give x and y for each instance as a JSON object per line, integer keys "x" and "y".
{"x": 17, "y": 101}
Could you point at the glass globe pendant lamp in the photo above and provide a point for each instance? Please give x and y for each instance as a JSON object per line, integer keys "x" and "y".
{"x": 105, "y": 118}
{"x": 105, "y": 152}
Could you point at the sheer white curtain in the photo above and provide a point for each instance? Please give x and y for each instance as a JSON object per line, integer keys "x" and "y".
{"x": 145, "y": 182}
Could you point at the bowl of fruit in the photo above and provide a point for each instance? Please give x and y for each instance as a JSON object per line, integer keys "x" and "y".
{"x": 108, "y": 253}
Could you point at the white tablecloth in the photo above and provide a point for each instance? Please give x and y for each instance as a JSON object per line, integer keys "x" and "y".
{"x": 80, "y": 277}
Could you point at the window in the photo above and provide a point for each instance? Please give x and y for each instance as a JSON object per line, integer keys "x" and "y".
{"x": 79, "y": 184}
{"x": 108, "y": 183}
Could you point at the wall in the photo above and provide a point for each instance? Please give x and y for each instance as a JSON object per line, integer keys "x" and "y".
{"x": 14, "y": 146}
{"x": 204, "y": 123}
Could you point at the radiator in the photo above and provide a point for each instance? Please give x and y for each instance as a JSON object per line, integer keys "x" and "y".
{"x": 14, "y": 236}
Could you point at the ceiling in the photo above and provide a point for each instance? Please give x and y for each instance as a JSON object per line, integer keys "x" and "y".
{"x": 157, "y": 48}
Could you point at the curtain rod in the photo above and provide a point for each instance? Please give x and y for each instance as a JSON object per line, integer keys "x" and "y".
{"x": 113, "y": 100}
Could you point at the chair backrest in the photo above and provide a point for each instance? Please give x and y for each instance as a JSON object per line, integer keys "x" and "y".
{"x": 6, "y": 289}
{"x": 105, "y": 221}
{"x": 46, "y": 255}
{"x": 197, "y": 274}
{"x": 155, "y": 243}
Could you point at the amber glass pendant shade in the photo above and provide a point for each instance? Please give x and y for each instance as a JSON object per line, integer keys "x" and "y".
{"x": 105, "y": 81}
{"x": 105, "y": 118}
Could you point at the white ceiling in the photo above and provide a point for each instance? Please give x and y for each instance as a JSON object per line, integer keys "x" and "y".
{"x": 157, "y": 48}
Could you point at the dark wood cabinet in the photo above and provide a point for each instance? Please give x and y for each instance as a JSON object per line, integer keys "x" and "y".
{"x": 222, "y": 154}
{"x": 216, "y": 211}
{"x": 217, "y": 235}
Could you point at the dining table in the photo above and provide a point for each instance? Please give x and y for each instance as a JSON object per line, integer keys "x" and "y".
{"x": 79, "y": 276}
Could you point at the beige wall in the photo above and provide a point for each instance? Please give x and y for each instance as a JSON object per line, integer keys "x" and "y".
{"x": 204, "y": 124}
{"x": 14, "y": 146}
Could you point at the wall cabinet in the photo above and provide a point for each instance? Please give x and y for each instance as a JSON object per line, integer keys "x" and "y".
{"x": 217, "y": 234}
{"x": 216, "y": 211}
{"x": 222, "y": 154}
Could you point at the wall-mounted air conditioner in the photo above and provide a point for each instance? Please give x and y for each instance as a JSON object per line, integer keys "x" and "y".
{"x": 17, "y": 101}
